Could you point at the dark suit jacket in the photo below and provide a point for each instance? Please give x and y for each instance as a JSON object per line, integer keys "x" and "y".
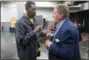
{"x": 66, "y": 43}
{"x": 26, "y": 39}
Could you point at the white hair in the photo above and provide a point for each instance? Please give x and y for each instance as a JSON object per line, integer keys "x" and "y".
{"x": 63, "y": 8}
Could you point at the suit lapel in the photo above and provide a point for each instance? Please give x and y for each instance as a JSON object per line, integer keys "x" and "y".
{"x": 59, "y": 29}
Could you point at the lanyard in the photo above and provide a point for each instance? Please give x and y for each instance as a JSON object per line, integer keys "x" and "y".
{"x": 57, "y": 29}
{"x": 60, "y": 25}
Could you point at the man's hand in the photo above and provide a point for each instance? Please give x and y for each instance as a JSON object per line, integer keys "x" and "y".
{"x": 49, "y": 34}
{"x": 48, "y": 43}
{"x": 38, "y": 28}
{"x": 49, "y": 28}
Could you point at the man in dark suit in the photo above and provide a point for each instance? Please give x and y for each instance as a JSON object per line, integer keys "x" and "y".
{"x": 26, "y": 30}
{"x": 65, "y": 42}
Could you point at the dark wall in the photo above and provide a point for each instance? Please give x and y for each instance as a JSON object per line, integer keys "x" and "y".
{"x": 86, "y": 18}
{"x": 81, "y": 17}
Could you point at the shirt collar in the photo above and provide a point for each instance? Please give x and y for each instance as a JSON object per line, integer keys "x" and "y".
{"x": 60, "y": 23}
{"x": 29, "y": 19}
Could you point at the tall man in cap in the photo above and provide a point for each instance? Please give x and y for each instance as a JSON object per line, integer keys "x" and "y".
{"x": 26, "y": 30}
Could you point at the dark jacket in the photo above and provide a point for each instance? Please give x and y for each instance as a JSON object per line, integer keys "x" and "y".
{"x": 26, "y": 39}
{"x": 67, "y": 48}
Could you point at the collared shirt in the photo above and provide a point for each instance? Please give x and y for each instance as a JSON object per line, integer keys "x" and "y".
{"x": 58, "y": 26}
{"x": 30, "y": 19}
{"x": 61, "y": 23}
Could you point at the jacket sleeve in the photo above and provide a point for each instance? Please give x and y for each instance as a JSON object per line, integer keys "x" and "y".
{"x": 21, "y": 36}
{"x": 63, "y": 47}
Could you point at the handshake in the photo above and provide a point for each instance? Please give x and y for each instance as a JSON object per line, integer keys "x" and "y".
{"x": 46, "y": 36}
{"x": 38, "y": 28}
